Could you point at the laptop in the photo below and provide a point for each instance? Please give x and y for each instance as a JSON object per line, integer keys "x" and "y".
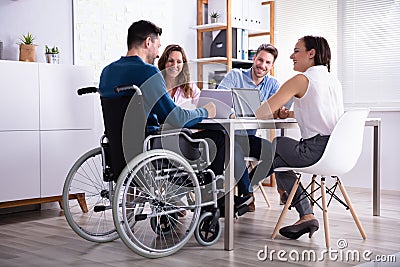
{"x": 245, "y": 102}
{"x": 221, "y": 98}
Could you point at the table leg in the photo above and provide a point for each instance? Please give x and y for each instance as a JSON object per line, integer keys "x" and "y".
{"x": 376, "y": 196}
{"x": 229, "y": 186}
{"x": 271, "y": 182}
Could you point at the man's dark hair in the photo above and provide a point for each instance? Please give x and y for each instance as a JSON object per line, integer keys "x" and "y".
{"x": 140, "y": 30}
{"x": 268, "y": 48}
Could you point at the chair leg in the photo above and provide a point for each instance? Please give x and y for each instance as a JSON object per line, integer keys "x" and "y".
{"x": 352, "y": 211}
{"x": 325, "y": 213}
{"x": 286, "y": 208}
{"x": 264, "y": 193}
{"x": 312, "y": 191}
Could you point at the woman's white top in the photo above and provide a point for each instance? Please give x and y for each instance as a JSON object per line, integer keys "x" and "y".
{"x": 318, "y": 111}
{"x": 184, "y": 102}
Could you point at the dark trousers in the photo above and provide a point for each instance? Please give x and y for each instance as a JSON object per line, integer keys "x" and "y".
{"x": 293, "y": 153}
{"x": 216, "y": 144}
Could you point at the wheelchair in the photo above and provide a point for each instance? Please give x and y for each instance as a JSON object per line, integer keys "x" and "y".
{"x": 158, "y": 200}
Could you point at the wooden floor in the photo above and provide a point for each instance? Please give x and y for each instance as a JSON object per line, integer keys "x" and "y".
{"x": 43, "y": 238}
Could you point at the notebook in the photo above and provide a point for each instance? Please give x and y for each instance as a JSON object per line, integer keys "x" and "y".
{"x": 221, "y": 98}
{"x": 245, "y": 102}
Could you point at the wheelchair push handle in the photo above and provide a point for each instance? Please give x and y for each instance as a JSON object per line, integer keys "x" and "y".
{"x": 122, "y": 88}
{"x": 117, "y": 89}
{"x": 87, "y": 90}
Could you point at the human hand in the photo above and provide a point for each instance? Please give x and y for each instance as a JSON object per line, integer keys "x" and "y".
{"x": 283, "y": 113}
{"x": 211, "y": 109}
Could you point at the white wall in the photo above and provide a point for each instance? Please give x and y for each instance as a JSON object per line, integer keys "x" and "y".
{"x": 101, "y": 27}
{"x": 49, "y": 22}
{"x": 361, "y": 175}
{"x": 52, "y": 24}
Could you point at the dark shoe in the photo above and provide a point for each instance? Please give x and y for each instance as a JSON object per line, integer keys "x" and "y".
{"x": 296, "y": 230}
{"x": 240, "y": 205}
{"x": 241, "y": 201}
{"x": 284, "y": 198}
{"x": 182, "y": 213}
{"x": 252, "y": 206}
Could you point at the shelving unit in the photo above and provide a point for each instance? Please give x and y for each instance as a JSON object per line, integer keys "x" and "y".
{"x": 227, "y": 25}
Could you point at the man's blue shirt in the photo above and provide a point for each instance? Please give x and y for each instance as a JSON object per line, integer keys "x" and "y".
{"x": 158, "y": 105}
{"x": 241, "y": 78}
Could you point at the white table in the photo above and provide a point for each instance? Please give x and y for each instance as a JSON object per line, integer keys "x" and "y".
{"x": 232, "y": 125}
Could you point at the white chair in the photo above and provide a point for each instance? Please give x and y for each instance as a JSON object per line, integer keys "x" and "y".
{"x": 341, "y": 154}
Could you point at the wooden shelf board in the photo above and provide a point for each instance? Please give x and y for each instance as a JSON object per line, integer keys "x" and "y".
{"x": 220, "y": 59}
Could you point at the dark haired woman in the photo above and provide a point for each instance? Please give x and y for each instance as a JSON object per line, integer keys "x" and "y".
{"x": 318, "y": 104}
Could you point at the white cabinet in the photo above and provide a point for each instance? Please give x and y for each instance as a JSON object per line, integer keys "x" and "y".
{"x": 19, "y": 101}
{"x": 44, "y": 126}
{"x": 20, "y": 165}
{"x": 60, "y": 105}
{"x": 59, "y": 151}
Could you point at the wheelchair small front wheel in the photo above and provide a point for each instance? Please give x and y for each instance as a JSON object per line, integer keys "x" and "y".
{"x": 207, "y": 234}
{"x": 86, "y": 199}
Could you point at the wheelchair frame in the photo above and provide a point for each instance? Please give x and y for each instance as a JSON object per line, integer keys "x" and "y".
{"x": 156, "y": 204}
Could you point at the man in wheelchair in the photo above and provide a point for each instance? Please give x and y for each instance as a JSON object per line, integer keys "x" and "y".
{"x": 152, "y": 188}
{"x": 136, "y": 68}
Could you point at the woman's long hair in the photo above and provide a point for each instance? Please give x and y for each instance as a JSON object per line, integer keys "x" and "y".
{"x": 183, "y": 78}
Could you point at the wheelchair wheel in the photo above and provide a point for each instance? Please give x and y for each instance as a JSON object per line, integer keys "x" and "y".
{"x": 205, "y": 235}
{"x": 156, "y": 204}
{"x": 86, "y": 199}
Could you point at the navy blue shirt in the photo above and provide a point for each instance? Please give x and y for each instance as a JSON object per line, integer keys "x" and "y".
{"x": 158, "y": 105}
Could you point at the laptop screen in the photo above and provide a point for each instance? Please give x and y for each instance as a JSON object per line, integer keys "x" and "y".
{"x": 245, "y": 101}
{"x": 221, "y": 98}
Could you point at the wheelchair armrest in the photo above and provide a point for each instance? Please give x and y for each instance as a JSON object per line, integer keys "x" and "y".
{"x": 177, "y": 131}
{"x": 186, "y": 133}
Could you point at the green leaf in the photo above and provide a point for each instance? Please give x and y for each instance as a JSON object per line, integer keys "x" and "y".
{"x": 27, "y": 39}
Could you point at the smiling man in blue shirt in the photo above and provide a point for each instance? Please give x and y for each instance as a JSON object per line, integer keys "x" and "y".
{"x": 247, "y": 144}
{"x": 257, "y": 76}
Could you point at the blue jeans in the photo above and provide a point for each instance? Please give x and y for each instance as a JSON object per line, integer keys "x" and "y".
{"x": 256, "y": 147}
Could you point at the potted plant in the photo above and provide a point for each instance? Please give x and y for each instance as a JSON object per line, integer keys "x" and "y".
{"x": 212, "y": 84}
{"x": 52, "y": 55}
{"x": 27, "y": 48}
{"x": 214, "y": 17}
